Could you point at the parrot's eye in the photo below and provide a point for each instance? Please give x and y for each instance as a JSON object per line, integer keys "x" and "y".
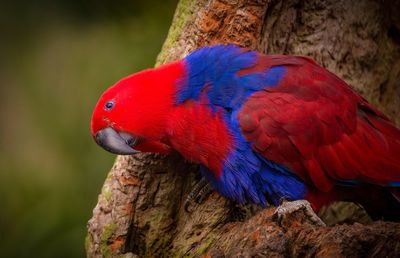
{"x": 109, "y": 105}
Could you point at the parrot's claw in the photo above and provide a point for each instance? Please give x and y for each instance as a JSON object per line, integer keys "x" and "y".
{"x": 199, "y": 193}
{"x": 286, "y": 208}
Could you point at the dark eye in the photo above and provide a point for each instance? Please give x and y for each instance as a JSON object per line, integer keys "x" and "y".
{"x": 109, "y": 105}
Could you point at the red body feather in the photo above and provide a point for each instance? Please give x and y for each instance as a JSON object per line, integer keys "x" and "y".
{"x": 198, "y": 141}
{"x": 317, "y": 126}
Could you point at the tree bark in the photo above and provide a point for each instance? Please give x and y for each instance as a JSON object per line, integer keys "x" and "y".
{"x": 140, "y": 208}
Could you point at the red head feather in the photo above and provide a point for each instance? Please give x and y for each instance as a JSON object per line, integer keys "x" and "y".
{"x": 140, "y": 105}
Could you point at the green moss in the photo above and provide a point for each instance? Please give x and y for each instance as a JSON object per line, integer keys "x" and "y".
{"x": 88, "y": 241}
{"x": 184, "y": 12}
{"x": 204, "y": 247}
{"x": 107, "y": 194}
{"x": 107, "y": 233}
{"x": 107, "y": 191}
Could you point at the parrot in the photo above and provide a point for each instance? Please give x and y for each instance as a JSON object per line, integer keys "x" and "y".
{"x": 263, "y": 128}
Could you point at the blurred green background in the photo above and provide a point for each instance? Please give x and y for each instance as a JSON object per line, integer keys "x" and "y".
{"x": 56, "y": 58}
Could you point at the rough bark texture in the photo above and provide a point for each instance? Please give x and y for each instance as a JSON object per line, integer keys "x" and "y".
{"x": 140, "y": 211}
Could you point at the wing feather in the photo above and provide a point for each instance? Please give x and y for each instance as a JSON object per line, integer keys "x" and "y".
{"x": 315, "y": 124}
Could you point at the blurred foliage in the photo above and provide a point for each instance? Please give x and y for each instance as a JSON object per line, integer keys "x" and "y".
{"x": 57, "y": 58}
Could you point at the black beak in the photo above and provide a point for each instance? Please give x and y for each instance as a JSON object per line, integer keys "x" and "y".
{"x": 117, "y": 143}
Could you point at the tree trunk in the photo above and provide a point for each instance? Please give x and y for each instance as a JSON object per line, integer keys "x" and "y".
{"x": 140, "y": 212}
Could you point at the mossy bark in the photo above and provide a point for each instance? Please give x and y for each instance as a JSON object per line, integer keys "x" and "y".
{"x": 139, "y": 211}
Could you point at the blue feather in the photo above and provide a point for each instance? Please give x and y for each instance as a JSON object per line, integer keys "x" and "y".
{"x": 246, "y": 176}
{"x": 217, "y": 67}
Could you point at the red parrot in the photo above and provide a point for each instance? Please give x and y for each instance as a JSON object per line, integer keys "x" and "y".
{"x": 262, "y": 127}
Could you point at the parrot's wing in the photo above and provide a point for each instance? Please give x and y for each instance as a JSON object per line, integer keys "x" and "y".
{"x": 314, "y": 124}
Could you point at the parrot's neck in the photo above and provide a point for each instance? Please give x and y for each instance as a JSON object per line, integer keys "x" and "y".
{"x": 200, "y": 135}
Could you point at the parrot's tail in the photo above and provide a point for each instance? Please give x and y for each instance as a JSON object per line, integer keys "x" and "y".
{"x": 381, "y": 203}
{"x": 396, "y": 193}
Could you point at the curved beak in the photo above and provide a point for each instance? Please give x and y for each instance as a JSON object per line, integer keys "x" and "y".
{"x": 117, "y": 143}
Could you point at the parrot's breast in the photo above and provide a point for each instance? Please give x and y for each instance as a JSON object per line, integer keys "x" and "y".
{"x": 200, "y": 135}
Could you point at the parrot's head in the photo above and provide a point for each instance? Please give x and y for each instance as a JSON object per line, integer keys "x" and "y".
{"x": 132, "y": 115}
